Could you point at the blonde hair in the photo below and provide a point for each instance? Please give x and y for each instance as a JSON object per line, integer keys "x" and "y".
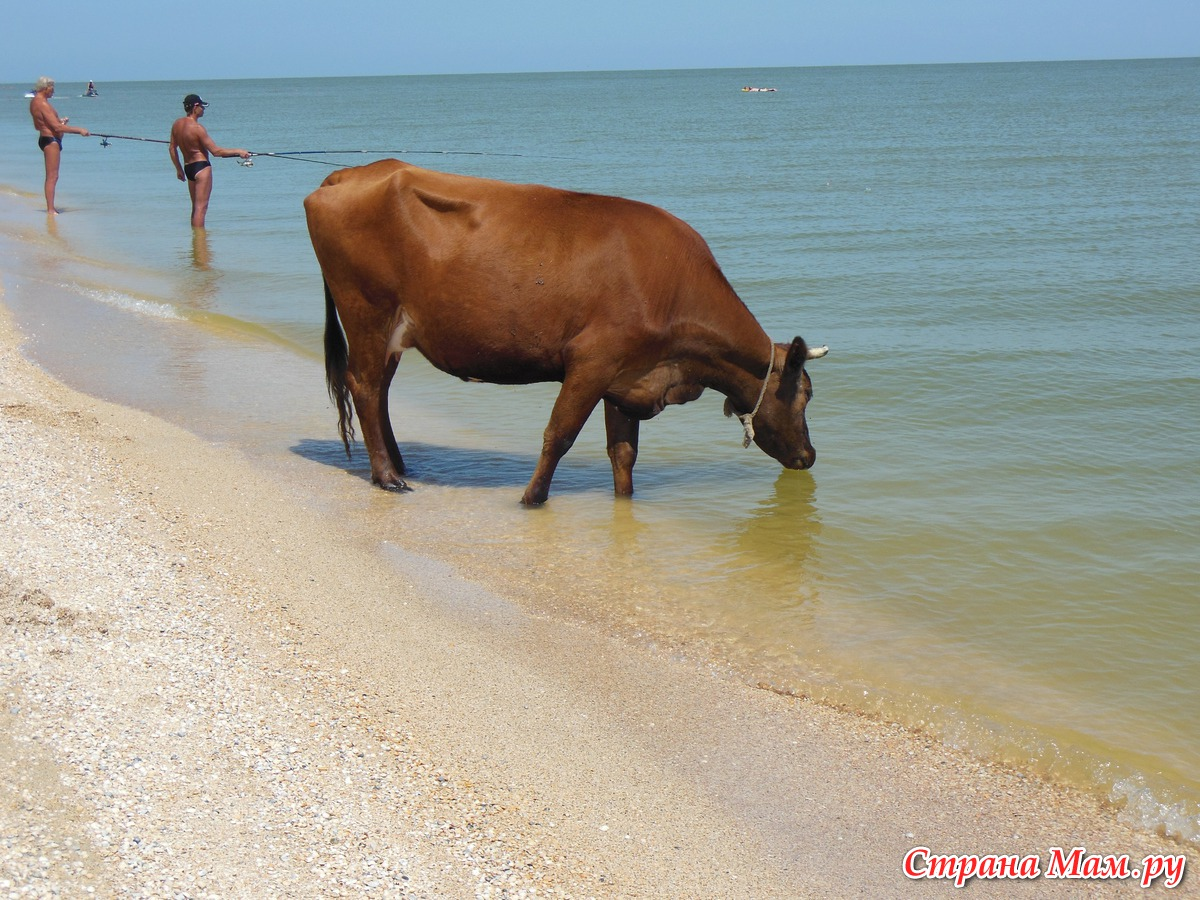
{"x": 44, "y": 82}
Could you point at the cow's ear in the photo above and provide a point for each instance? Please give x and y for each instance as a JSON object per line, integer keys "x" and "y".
{"x": 797, "y": 354}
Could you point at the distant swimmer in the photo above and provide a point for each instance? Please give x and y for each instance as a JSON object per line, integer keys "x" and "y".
{"x": 50, "y": 129}
{"x": 191, "y": 139}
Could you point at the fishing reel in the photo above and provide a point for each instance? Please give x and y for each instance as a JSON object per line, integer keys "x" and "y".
{"x": 248, "y": 162}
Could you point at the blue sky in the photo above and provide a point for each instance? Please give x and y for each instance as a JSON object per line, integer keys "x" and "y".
{"x": 152, "y": 40}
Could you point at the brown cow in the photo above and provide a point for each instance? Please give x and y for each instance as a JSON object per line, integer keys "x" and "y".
{"x": 515, "y": 284}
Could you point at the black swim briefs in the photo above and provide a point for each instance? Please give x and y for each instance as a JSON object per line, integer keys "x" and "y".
{"x": 192, "y": 168}
{"x": 44, "y": 141}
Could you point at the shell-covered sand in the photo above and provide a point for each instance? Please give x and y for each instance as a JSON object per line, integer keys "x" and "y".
{"x": 209, "y": 691}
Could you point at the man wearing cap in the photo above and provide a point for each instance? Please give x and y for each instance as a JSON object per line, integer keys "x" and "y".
{"x": 190, "y": 138}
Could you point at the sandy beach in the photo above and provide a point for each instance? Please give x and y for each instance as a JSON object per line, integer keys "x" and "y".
{"x": 211, "y": 691}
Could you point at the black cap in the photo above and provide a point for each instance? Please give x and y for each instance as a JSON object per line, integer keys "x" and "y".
{"x": 191, "y": 100}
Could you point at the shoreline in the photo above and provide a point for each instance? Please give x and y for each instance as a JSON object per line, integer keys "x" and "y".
{"x": 211, "y": 689}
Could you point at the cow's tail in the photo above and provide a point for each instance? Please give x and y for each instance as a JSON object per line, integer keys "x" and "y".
{"x": 337, "y": 359}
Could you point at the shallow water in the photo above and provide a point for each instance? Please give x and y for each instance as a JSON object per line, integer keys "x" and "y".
{"x": 998, "y": 541}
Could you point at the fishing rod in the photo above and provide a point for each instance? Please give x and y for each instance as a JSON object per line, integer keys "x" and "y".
{"x": 106, "y": 141}
{"x": 124, "y": 137}
{"x": 302, "y": 155}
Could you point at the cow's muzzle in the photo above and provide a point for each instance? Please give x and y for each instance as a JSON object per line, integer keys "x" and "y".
{"x": 803, "y": 460}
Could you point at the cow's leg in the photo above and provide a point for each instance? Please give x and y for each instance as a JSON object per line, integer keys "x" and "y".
{"x": 385, "y": 418}
{"x": 368, "y": 374}
{"x": 578, "y": 397}
{"x": 622, "y": 434}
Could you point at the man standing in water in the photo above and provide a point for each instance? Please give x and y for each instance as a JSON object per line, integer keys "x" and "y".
{"x": 191, "y": 139}
{"x": 50, "y": 129}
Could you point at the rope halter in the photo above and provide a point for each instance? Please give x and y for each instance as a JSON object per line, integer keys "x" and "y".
{"x": 747, "y": 419}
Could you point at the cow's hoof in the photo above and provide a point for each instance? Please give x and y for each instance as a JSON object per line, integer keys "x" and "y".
{"x": 393, "y": 483}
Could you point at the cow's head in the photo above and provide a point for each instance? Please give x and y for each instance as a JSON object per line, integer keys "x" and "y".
{"x": 778, "y": 427}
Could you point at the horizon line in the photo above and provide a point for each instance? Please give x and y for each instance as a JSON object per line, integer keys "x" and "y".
{"x": 600, "y": 71}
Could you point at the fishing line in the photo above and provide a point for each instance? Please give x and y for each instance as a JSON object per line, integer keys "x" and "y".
{"x": 303, "y": 155}
{"x": 395, "y": 152}
{"x": 320, "y": 162}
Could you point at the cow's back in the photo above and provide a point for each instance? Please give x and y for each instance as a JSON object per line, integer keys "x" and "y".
{"x": 492, "y": 280}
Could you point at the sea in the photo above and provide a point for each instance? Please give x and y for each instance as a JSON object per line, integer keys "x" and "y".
{"x": 999, "y": 544}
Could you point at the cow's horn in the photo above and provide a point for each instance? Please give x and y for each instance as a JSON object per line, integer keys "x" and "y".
{"x": 817, "y": 352}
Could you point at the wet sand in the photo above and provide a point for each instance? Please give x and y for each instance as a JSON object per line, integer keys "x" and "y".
{"x": 212, "y": 689}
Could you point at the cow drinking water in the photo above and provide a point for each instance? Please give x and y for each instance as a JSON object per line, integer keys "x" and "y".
{"x": 514, "y": 284}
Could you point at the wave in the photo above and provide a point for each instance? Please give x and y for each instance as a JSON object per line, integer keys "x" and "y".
{"x": 127, "y": 302}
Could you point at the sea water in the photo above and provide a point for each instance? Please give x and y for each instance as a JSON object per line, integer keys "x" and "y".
{"x": 1000, "y": 541}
